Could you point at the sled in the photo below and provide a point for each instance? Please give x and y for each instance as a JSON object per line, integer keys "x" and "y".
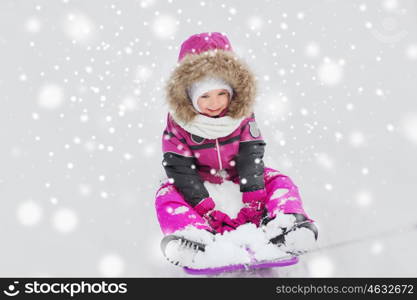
{"x": 289, "y": 258}
{"x": 283, "y": 262}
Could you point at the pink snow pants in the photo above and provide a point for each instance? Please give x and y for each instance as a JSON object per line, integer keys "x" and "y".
{"x": 174, "y": 213}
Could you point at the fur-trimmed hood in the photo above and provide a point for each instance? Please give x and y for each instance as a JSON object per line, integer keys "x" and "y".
{"x": 220, "y": 63}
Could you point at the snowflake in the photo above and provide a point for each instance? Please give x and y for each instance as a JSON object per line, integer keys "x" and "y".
{"x": 180, "y": 210}
{"x": 164, "y": 191}
{"x": 279, "y": 192}
{"x": 271, "y": 174}
{"x": 284, "y": 200}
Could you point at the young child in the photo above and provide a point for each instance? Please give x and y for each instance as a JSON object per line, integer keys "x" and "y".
{"x": 212, "y": 135}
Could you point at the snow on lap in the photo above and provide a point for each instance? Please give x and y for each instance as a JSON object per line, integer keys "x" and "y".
{"x": 239, "y": 246}
{"x": 234, "y": 247}
{"x": 227, "y": 197}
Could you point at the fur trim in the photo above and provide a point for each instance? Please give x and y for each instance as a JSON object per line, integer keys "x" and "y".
{"x": 221, "y": 63}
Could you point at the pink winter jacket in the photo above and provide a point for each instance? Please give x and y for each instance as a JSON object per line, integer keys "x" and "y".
{"x": 189, "y": 159}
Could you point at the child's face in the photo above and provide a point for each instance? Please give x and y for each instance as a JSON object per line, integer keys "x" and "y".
{"x": 213, "y": 102}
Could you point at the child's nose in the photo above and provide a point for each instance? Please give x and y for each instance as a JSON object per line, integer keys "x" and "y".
{"x": 216, "y": 100}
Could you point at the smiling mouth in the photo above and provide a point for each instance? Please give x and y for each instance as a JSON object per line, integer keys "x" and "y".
{"x": 214, "y": 110}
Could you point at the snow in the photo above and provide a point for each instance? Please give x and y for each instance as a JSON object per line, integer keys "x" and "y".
{"x": 226, "y": 196}
{"x": 390, "y": 127}
{"x": 84, "y": 118}
{"x": 325, "y": 161}
{"x": 29, "y": 213}
{"x": 330, "y": 73}
{"x": 232, "y": 11}
{"x": 64, "y": 220}
{"x": 78, "y": 27}
{"x": 278, "y": 193}
{"x": 299, "y": 240}
{"x": 84, "y": 190}
{"x": 234, "y": 247}
{"x": 255, "y": 23}
{"x": 321, "y": 266}
{"x": 163, "y": 191}
{"x": 328, "y": 186}
{"x": 111, "y": 265}
{"x": 149, "y": 150}
{"x": 127, "y": 156}
{"x": 362, "y": 7}
{"x": 143, "y": 73}
{"x": 379, "y": 92}
{"x": 390, "y": 5}
{"x": 275, "y": 105}
{"x": 164, "y": 26}
{"x": 51, "y": 96}
{"x": 356, "y": 139}
{"x": 33, "y": 25}
{"x": 195, "y": 234}
{"x": 409, "y": 127}
{"x": 241, "y": 246}
{"x": 147, "y": 3}
{"x": 180, "y": 210}
{"x": 364, "y": 198}
{"x": 365, "y": 171}
{"x": 411, "y": 52}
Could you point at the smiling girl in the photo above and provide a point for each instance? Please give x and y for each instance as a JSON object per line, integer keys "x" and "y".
{"x": 212, "y": 135}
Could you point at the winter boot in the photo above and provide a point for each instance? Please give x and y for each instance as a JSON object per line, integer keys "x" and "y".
{"x": 293, "y": 232}
{"x": 180, "y": 251}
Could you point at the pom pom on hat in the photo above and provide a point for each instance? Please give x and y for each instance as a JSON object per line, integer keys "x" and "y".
{"x": 205, "y": 85}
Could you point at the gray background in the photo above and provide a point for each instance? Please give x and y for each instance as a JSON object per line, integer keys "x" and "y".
{"x": 82, "y": 113}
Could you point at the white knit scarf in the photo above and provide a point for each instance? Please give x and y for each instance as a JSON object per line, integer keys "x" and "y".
{"x": 210, "y": 128}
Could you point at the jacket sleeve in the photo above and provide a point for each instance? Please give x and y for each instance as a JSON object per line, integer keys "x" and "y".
{"x": 180, "y": 166}
{"x": 249, "y": 161}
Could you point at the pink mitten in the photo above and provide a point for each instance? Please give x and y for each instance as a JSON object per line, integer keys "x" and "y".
{"x": 254, "y": 207}
{"x": 221, "y": 222}
{"x": 204, "y": 207}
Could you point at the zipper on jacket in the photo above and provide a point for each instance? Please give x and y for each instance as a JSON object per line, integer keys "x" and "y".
{"x": 218, "y": 155}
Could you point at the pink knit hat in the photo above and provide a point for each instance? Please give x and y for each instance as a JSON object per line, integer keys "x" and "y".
{"x": 202, "y": 42}
{"x": 197, "y": 44}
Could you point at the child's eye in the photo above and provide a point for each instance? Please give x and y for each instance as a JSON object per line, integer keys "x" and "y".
{"x": 222, "y": 93}
{"x": 205, "y": 96}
